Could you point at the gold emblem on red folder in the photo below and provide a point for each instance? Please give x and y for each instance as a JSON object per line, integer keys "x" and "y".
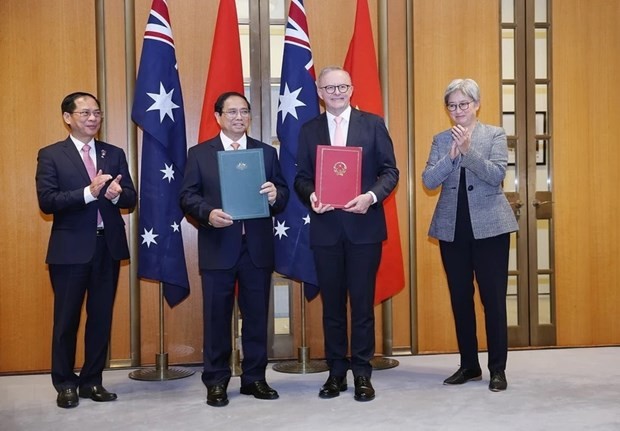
{"x": 340, "y": 168}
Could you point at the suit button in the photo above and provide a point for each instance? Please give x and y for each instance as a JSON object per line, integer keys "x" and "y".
{"x": 470, "y": 188}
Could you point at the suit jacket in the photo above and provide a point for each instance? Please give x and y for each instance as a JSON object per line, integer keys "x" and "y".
{"x": 379, "y": 175}
{"x": 219, "y": 248}
{"x": 485, "y": 169}
{"x": 60, "y": 178}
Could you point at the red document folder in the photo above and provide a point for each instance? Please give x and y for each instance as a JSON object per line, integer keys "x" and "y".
{"x": 338, "y": 174}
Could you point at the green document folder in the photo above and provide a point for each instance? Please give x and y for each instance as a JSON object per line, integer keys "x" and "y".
{"x": 242, "y": 173}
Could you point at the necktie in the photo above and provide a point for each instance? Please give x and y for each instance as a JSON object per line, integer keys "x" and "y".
{"x": 90, "y": 168}
{"x": 338, "y": 133}
{"x": 88, "y": 162}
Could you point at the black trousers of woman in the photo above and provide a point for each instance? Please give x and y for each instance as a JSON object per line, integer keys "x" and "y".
{"x": 487, "y": 261}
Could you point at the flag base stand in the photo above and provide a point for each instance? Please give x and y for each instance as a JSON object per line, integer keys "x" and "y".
{"x": 161, "y": 371}
{"x": 303, "y": 365}
{"x": 383, "y": 363}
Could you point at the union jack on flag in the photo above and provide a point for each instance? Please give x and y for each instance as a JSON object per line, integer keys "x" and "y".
{"x": 298, "y": 103}
{"x": 158, "y": 110}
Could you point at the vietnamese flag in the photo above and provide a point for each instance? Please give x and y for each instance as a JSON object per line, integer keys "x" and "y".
{"x": 361, "y": 63}
{"x": 225, "y": 69}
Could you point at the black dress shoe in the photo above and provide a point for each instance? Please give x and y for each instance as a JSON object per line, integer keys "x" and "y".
{"x": 333, "y": 386}
{"x": 463, "y": 375}
{"x": 498, "y": 381}
{"x": 260, "y": 389}
{"x": 67, "y": 398}
{"x": 363, "y": 389}
{"x": 97, "y": 393}
{"x": 216, "y": 396}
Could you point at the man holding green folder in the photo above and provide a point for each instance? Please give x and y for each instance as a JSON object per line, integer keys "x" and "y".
{"x": 233, "y": 250}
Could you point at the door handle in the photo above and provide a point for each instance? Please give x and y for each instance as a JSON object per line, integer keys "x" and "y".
{"x": 515, "y": 202}
{"x": 543, "y": 204}
{"x": 536, "y": 203}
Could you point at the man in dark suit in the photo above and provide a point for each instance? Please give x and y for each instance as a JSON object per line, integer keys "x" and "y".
{"x": 232, "y": 252}
{"x": 347, "y": 242}
{"x": 84, "y": 183}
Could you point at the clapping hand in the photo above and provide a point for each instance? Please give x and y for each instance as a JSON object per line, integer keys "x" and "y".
{"x": 114, "y": 189}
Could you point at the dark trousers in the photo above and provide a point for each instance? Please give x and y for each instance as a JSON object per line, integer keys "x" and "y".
{"x": 98, "y": 279}
{"x": 487, "y": 260}
{"x": 218, "y": 292}
{"x": 348, "y": 269}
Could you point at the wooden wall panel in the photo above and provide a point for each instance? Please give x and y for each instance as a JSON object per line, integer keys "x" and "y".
{"x": 586, "y": 176}
{"x": 47, "y": 53}
{"x": 451, "y": 40}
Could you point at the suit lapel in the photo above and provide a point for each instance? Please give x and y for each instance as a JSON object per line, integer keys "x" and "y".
{"x": 75, "y": 158}
{"x": 324, "y": 131}
{"x": 477, "y": 134}
{"x": 100, "y": 157}
{"x": 353, "y": 135}
{"x": 216, "y": 144}
{"x": 250, "y": 143}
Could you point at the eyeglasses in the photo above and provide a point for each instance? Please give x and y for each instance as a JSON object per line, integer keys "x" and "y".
{"x": 86, "y": 114}
{"x": 331, "y": 89}
{"x": 232, "y": 113}
{"x": 462, "y": 105}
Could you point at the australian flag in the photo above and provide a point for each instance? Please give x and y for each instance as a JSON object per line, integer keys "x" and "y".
{"x": 298, "y": 103}
{"x": 158, "y": 110}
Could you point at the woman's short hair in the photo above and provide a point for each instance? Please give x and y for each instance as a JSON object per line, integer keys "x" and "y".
{"x": 467, "y": 86}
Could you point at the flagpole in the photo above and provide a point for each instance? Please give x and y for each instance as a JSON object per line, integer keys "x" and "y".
{"x": 161, "y": 371}
{"x": 304, "y": 364}
{"x": 383, "y": 362}
{"x": 235, "y": 355}
{"x": 413, "y": 305}
{"x": 132, "y": 156}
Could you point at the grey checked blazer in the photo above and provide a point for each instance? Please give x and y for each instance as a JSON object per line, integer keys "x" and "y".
{"x": 485, "y": 169}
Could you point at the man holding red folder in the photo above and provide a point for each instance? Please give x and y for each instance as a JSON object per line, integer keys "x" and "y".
{"x": 347, "y": 241}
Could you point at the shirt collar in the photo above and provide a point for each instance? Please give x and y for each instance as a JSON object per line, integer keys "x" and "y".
{"x": 79, "y": 144}
{"x": 346, "y": 115}
{"x": 226, "y": 142}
